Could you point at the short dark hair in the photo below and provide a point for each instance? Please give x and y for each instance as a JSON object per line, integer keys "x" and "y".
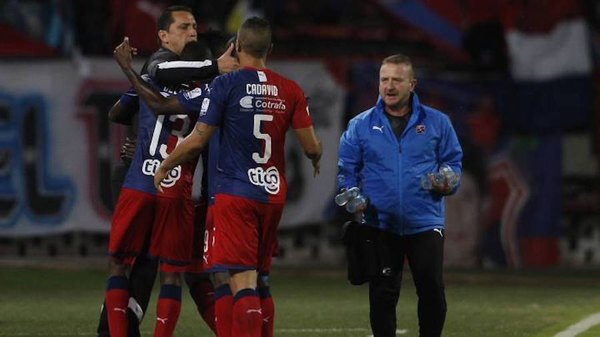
{"x": 166, "y": 17}
{"x": 399, "y": 59}
{"x": 218, "y": 41}
{"x": 254, "y": 37}
{"x": 196, "y": 51}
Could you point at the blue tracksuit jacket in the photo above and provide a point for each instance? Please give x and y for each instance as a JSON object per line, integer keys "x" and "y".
{"x": 388, "y": 169}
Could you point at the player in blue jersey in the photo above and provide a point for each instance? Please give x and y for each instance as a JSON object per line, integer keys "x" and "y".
{"x": 253, "y": 108}
{"x": 195, "y": 276}
{"x": 168, "y": 218}
{"x": 175, "y": 27}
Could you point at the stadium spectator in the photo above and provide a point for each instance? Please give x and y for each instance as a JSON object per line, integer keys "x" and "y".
{"x": 251, "y": 188}
{"x": 385, "y": 151}
{"x": 36, "y": 28}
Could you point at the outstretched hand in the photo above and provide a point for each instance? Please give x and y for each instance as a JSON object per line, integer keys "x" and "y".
{"x": 124, "y": 53}
{"x": 227, "y": 62}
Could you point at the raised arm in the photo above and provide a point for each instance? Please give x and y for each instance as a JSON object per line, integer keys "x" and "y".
{"x": 175, "y": 72}
{"x": 159, "y": 104}
{"x": 313, "y": 149}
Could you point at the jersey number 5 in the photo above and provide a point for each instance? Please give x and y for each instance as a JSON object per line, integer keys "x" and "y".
{"x": 258, "y": 118}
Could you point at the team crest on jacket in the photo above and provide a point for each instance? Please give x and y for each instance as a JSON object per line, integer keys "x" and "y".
{"x": 420, "y": 128}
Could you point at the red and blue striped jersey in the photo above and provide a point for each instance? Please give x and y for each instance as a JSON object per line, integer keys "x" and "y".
{"x": 157, "y": 137}
{"x": 254, "y": 109}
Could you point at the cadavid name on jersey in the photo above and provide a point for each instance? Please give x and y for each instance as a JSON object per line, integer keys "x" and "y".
{"x": 253, "y": 109}
{"x": 157, "y": 137}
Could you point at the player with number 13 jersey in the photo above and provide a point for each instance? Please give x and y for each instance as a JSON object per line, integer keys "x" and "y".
{"x": 158, "y": 136}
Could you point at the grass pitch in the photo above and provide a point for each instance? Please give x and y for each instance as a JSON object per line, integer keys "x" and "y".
{"x": 316, "y": 302}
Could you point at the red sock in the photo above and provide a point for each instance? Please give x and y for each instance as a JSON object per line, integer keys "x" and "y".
{"x": 116, "y": 299}
{"x": 268, "y": 311}
{"x": 247, "y": 314}
{"x": 223, "y": 310}
{"x": 167, "y": 310}
{"x": 203, "y": 294}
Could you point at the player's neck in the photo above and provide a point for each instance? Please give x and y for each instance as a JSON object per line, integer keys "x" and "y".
{"x": 252, "y": 62}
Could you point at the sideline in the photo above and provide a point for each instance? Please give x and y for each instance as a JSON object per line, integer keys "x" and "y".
{"x": 580, "y": 326}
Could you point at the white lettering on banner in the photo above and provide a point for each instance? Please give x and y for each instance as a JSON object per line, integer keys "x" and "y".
{"x": 72, "y": 167}
{"x": 262, "y": 89}
{"x": 269, "y": 178}
{"x": 150, "y": 166}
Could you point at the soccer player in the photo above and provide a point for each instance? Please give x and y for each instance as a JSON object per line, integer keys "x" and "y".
{"x": 253, "y": 108}
{"x": 167, "y": 218}
{"x": 175, "y": 27}
{"x": 196, "y": 276}
{"x": 199, "y": 285}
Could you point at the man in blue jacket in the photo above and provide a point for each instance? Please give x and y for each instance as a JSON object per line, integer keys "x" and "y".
{"x": 386, "y": 151}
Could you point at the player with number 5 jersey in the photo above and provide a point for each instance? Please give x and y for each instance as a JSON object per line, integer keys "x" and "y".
{"x": 253, "y": 109}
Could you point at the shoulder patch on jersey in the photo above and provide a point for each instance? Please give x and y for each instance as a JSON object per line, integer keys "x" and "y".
{"x": 262, "y": 77}
{"x": 193, "y": 94}
{"x": 204, "y": 108}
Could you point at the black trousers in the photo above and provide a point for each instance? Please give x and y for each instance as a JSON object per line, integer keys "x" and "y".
{"x": 424, "y": 252}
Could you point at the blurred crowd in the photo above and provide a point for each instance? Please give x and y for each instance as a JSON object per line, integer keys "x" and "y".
{"x": 42, "y": 28}
{"x": 94, "y": 27}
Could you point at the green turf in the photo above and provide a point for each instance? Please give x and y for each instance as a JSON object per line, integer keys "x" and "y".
{"x": 35, "y": 302}
{"x": 592, "y": 332}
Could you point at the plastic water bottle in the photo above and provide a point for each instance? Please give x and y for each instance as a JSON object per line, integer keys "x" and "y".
{"x": 445, "y": 174}
{"x": 344, "y": 197}
{"x": 450, "y": 176}
{"x": 355, "y": 203}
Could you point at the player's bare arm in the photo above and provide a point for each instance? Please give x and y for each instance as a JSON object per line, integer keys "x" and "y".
{"x": 158, "y": 103}
{"x": 313, "y": 149}
{"x": 122, "y": 114}
{"x": 188, "y": 149}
